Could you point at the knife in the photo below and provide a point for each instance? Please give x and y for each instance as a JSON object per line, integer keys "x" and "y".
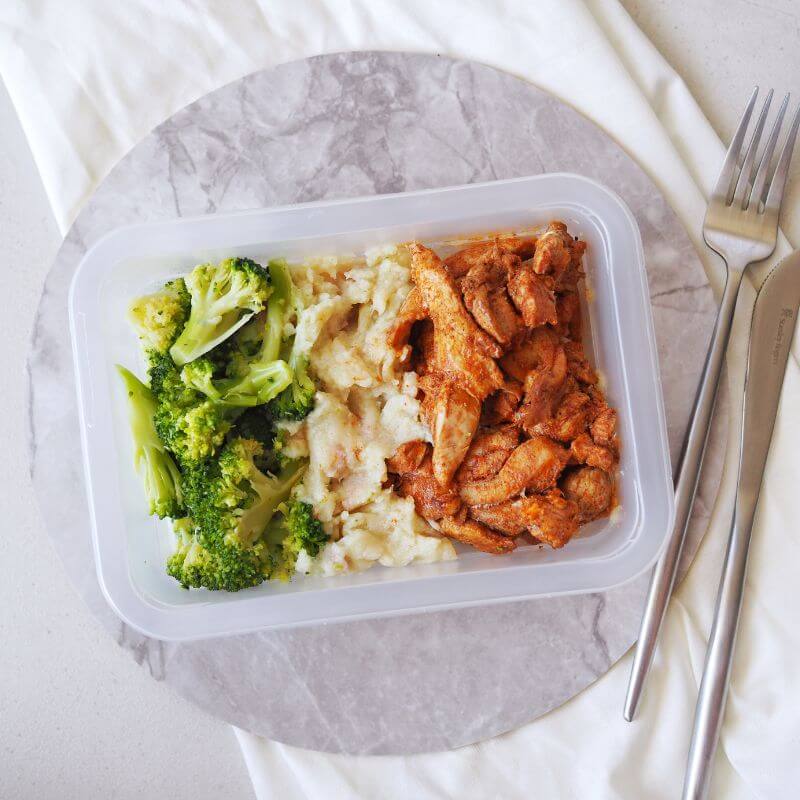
{"x": 771, "y": 332}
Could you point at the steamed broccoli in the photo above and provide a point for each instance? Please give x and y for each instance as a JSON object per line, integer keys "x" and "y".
{"x": 227, "y": 567}
{"x": 230, "y": 499}
{"x": 224, "y": 297}
{"x": 162, "y": 480}
{"x": 294, "y": 529}
{"x": 191, "y": 426}
{"x": 159, "y": 318}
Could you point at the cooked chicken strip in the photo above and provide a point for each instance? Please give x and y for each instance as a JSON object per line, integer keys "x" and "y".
{"x": 413, "y": 310}
{"x": 499, "y": 408}
{"x": 454, "y": 419}
{"x": 585, "y": 451}
{"x": 488, "y": 452}
{"x": 571, "y": 417}
{"x": 578, "y": 364}
{"x": 477, "y": 535}
{"x": 462, "y": 349}
{"x": 484, "y": 291}
{"x": 604, "y": 428}
{"x": 551, "y": 518}
{"x": 590, "y": 488}
{"x": 459, "y": 264}
{"x": 535, "y": 464}
{"x": 538, "y": 350}
{"x": 568, "y": 311}
{"x": 503, "y": 517}
{"x": 408, "y": 457}
{"x": 431, "y": 500}
{"x": 533, "y": 295}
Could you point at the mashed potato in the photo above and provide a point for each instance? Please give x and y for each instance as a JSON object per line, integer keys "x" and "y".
{"x": 366, "y": 407}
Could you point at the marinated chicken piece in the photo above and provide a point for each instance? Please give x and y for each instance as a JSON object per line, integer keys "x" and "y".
{"x": 459, "y": 264}
{"x": 431, "y": 500}
{"x": 484, "y": 291}
{"x": 568, "y": 312}
{"x": 585, "y": 451}
{"x": 408, "y": 457}
{"x": 537, "y": 351}
{"x": 558, "y": 254}
{"x": 551, "y": 518}
{"x": 500, "y": 407}
{"x": 533, "y": 295}
{"x": 591, "y": 489}
{"x": 571, "y": 417}
{"x": 461, "y": 349}
{"x": 479, "y": 536}
{"x": 413, "y": 310}
{"x": 604, "y": 427}
{"x": 454, "y": 419}
{"x": 488, "y": 452}
{"x": 578, "y": 364}
{"x": 535, "y": 464}
{"x": 503, "y": 517}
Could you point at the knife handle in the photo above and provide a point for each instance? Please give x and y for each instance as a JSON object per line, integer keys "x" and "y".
{"x": 711, "y": 698}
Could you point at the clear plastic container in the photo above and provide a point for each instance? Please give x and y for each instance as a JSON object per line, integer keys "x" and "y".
{"x": 131, "y": 547}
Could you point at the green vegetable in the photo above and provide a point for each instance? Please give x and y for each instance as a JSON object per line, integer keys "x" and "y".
{"x": 162, "y": 480}
{"x": 295, "y": 529}
{"x": 159, "y": 318}
{"x": 224, "y": 297}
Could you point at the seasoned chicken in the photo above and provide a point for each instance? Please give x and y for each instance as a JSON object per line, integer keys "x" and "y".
{"x": 459, "y": 264}
{"x": 431, "y": 500}
{"x": 578, "y": 364}
{"x": 539, "y": 350}
{"x": 568, "y": 311}
{"x": 503, "y": 517}
{"x": 585, "y": 451}
{"x": 558, "y": 254}
{"x": 571, "y": 417}
{"x": 500, "y": 407}
{"x": 462, "y": 350}
{"x": 485, "y": 295}
{"x": 408, "y": 457}
{"x": 488, "y": 452}
{"x": 604, "y": 427}
{"x": 479, "y": 536}
{"x": 413, "y": 310}
{"x": 533, "y": 295}
{"x": 454, "y": 418}
{"x": 535, "y": 465}
{"x": 590, "y": 488}
{"x": 551, "y": 518}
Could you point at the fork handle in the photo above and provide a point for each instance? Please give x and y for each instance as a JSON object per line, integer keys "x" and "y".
{"x": 689, "y": 463}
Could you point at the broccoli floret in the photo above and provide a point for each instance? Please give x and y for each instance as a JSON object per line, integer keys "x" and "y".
{"x": 297, "y": 401}
{"x": 295, "y": 529}
{"x": 231, "y": 500}
{"x": 224, "y": 297}
{"x": 191, "y": 426}
{"x": 226, "y": 567}
{"x": 162, "y": 480}
{"x": 159, "y": 318}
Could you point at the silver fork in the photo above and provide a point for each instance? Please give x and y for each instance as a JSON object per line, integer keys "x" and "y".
{"x": 741, "y": 225}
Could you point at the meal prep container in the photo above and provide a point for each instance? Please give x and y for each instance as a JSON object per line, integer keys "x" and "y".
{"x": 131, "y": 548}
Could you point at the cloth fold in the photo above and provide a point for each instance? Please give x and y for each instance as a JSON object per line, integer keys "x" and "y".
{"x": 89, "y": 79}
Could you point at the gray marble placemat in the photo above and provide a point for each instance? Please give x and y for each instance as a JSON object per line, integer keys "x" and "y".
{"x": 347, "y": 125}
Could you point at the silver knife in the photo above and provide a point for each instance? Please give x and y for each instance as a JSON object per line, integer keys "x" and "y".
{"x": 771, "y": 332}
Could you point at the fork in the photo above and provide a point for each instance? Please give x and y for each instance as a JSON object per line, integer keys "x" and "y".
{"x": 741, "y": 225}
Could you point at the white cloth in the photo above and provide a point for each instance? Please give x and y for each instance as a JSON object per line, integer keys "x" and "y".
{"x": 90, "y": 78}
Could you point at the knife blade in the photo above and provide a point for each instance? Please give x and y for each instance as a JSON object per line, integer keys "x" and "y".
{"x": 771, "y": 332}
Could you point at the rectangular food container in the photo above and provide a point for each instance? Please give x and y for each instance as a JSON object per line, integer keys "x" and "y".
{"x": 131, "y": 548}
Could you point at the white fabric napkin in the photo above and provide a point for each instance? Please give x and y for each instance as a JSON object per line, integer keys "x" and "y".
{"x": 90, "y": 78}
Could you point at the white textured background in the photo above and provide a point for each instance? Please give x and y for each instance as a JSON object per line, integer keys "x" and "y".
{"x": 78, "y": 717}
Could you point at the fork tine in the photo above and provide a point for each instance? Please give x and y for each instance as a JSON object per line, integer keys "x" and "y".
{"x": 747, "y": 172}
{"x": 775, "y": 195}
{"x": 757, "y": 195}
{"x": 725, "y": 183}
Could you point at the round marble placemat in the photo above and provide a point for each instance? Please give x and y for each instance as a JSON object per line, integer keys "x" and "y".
{"x": 348, "y": 125}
